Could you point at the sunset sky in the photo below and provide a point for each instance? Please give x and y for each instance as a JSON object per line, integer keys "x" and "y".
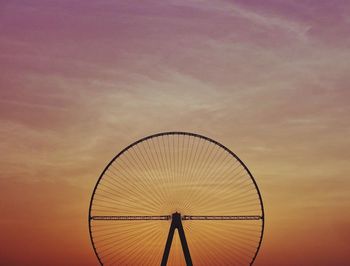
{"x": 80, "y": 80}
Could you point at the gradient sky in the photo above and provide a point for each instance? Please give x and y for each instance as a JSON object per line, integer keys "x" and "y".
{"x": 80, "y": 80}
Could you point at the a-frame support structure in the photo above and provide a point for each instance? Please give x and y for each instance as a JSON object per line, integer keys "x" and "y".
{"x": 176, "y": 224}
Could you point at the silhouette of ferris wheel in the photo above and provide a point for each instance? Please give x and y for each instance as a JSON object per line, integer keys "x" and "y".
{"x": 176, "y": 182}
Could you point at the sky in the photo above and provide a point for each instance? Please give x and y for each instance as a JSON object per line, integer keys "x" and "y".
{"x": 81, "y": 80}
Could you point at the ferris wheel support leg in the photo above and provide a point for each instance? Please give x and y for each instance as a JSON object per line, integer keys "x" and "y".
{"x": 185, "y": 248}
{"x": 168, "y": 244}
{"x": 176, "y": 224}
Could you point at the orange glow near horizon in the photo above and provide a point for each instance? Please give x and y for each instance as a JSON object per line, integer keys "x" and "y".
{"x": 81, "y": 80}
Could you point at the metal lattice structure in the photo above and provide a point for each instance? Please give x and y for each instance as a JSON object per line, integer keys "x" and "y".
{"x": 194, "y": 183}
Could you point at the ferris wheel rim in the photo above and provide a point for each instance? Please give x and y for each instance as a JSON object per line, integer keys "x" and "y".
{"x": 186, "y": 134}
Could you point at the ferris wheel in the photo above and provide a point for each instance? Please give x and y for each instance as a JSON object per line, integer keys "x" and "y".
{"x": 176, "y": 198}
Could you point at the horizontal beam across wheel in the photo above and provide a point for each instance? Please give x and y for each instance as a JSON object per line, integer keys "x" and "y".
{"x": 130, "y": 218}
{"x": 184, "y": 217}
{"x": 216, "y": 217}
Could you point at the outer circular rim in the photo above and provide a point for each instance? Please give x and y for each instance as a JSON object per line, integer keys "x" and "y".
{"x": 188, "y": 134}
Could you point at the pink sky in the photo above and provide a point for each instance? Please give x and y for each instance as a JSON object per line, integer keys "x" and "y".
{"x": 80, "y": 80}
